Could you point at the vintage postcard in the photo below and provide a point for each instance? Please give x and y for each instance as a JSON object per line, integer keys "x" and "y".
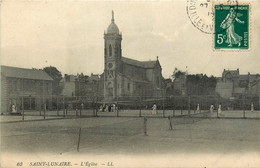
{"x": 111, "y": 84}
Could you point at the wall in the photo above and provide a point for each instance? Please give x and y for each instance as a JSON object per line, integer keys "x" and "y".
{"x": 224, "y": 89}
{"x": 68, "y": 89}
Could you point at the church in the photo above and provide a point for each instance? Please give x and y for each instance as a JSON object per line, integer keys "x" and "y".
{"x": 126, "y": 78}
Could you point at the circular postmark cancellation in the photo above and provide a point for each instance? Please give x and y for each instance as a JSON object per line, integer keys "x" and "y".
{"x": 201, "y": 13}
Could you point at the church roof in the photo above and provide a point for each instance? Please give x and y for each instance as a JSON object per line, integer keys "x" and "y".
{"x": 133, "y": 79}
{"x": 143, "y": 64}
{"x": 243, "y": 77}
{"x": 112, "y": 28}
{"x": 23, "y": 73}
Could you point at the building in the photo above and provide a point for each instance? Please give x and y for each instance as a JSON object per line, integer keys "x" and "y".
{"x": 81, "y": 85}
{"x": 180, "y": 85}
{"x": 234, "y": 85}
{"x": 68, "y": 85}
{"x": 30, "y": 86}
{"x": 125, "y": 77}
{"x": 90, "y": 87}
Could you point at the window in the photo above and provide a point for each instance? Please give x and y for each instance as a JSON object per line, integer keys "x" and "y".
{"x": 110, "y": 50}
{"x": 128, "y": 86}
{"x": 157, "y": 82}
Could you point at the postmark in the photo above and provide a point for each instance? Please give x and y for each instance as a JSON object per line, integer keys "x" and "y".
{"x": 231, "y": 25}
{"x": 201, "y": 13}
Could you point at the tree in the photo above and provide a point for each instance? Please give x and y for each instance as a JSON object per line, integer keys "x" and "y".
{"x": 55, "y": 74}
{"x": 177, "y": 73}
{"x": 201, "y": 84}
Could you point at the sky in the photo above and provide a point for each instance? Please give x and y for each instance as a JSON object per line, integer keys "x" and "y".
{"x": 69, "y": 36}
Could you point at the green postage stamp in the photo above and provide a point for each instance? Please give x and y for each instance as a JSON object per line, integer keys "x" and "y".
{"x": 231, "y": 27}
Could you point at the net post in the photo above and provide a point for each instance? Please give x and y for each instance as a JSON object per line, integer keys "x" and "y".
{"x": 44, "y": 111}
{"x": 92, "y": 106}
{"x": 96, "y": 108}
{"x": 244, "y": 112}
{"x": 22, "y": 100}
{"x": 140, "y": 111}
{"x": 189, "y": 105}
{"x": 194, "y": 106}
{"x": 76, "y": 111}
{"x": 170, "y": 122}
{"x": 63, "y": 107}
{"x": 22, "y": 109}
{"x": 217, "y": 113}
{"x": 173, "y": 111}
{"x": 57, "y": 104}
{"x": 163, "y": 108}
{"x": 145, "y": 126}
{"x": 200, "y": 106}
{"x": 117, "y": 112}
{"x": 79, "y": 139}
{"x": 81, "y": 109}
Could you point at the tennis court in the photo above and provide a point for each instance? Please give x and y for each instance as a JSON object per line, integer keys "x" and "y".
{"x": 125, "y": 136}
{"x": 122, "y": 133}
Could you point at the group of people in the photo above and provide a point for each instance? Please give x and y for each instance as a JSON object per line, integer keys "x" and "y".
{"x": 219, "y": 108}
{"x": 211, "y": 109}
{"x": 114, "y": 108}
{"x": 108, "y": 108}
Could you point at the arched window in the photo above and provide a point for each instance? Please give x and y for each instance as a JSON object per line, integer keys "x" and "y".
{"x": 110, "y": 50}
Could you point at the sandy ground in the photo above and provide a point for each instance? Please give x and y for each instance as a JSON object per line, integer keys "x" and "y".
{"x": 205, "y": 143}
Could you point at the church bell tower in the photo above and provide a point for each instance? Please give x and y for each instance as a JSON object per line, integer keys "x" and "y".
{"x": 112, "y": 56}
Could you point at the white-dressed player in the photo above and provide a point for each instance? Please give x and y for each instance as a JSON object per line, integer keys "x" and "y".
{"x": 219, "y": 109}
{"x": 211, "y": 109}
{"x": 154, "y": 109}
{"x": 252, "y": 107}
{"x": 198, "y": 107}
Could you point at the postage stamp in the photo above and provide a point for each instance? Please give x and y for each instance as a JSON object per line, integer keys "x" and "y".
{"x": 231, "y": 24}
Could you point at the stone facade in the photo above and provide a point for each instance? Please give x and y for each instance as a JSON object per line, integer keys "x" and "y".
{"x": 68, "y": 85}
{"x": 232, "y": 84}
{"x": 125, "y": 77}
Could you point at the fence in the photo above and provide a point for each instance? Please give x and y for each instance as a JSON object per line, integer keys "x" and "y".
{"x": 136, "y": 106}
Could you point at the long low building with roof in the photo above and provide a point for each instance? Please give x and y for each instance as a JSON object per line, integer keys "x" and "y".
{"x": 31, "y": 86}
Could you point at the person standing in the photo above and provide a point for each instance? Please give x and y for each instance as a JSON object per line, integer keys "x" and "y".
{"x": 114, "y": 108}
{"x": 13, "y": 108}
{"x": 219, "y": 109}
{"x": 211, "y": 108}
{"x": 252, "y": 107}
{"x": 154, "y": 108}
{"x": 198, "y": 107}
